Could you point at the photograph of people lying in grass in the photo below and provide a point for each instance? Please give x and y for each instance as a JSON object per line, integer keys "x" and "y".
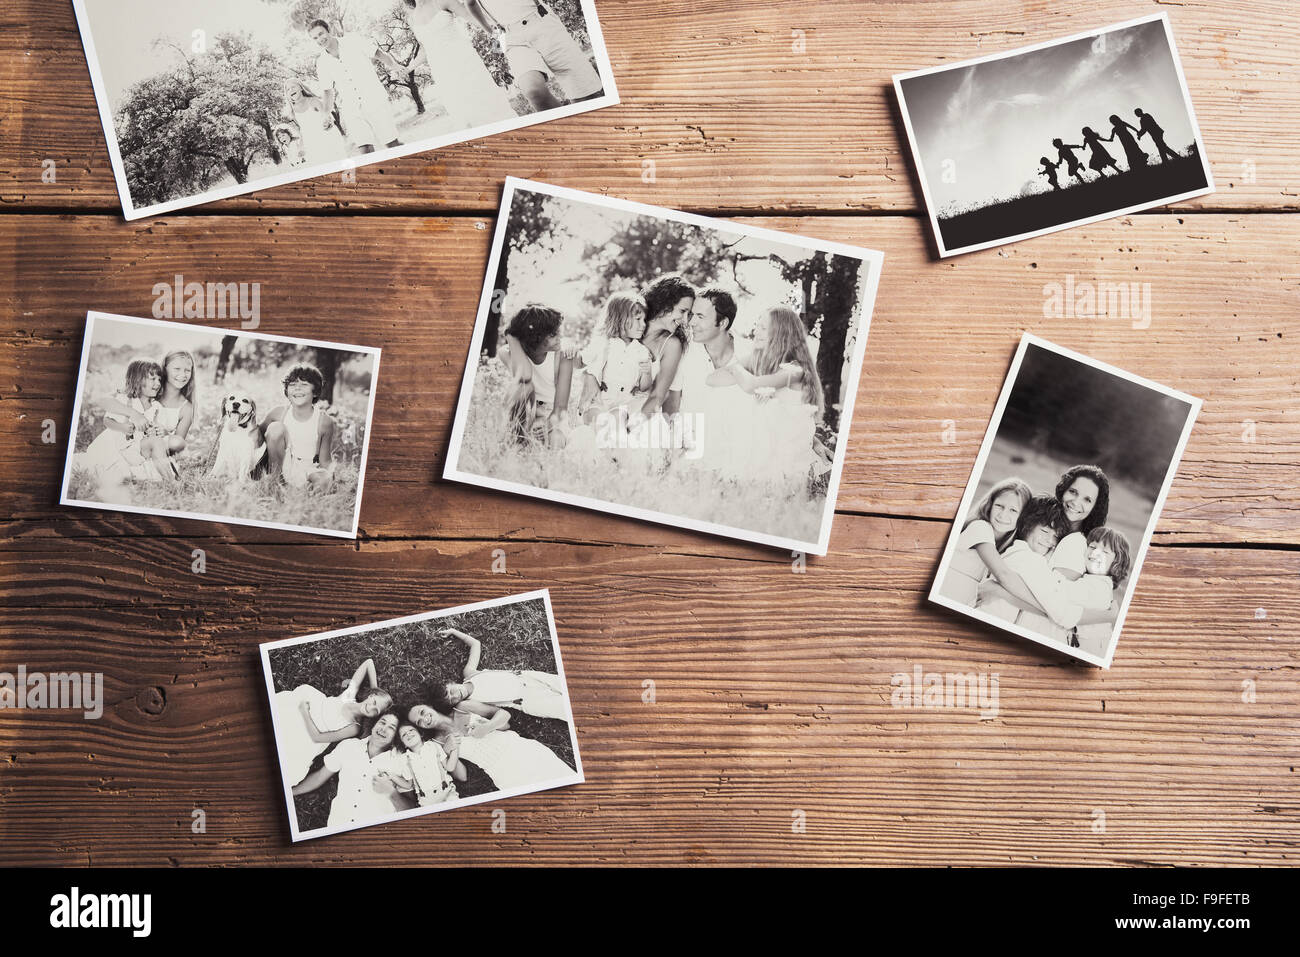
{"x": 664, "y": 366}
{"x": 420, "y": 714}
{"x": 1038, "y": 139}
{"x": 204, "y": 100}
{"x": 1063, "y": 500}
{"x": 216, "y": 424}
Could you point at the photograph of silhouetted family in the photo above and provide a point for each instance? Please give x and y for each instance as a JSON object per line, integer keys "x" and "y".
{"x": 174, "y": 419}
{"x": 420, "y": 714}
{"x": 1063, "y": 500}
{"x": 204, "y": 100}
{"x": 652, "y": 364}
{"x": 1034, "y": 140}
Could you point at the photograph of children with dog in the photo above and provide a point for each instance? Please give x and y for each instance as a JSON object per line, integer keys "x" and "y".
{"x": 428, "y": 713}
{"x": 669, "y": 367}
{"x": 204, "y": 100}
{"x": 1019, "y": 144}
{"x": 1063, "y": 500}
{"x": 173, "y": 419}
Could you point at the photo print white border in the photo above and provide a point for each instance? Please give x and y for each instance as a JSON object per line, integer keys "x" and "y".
{"x": 91, "y": 318}
{"x": 932, "y": 210}
{"x": 576, "y": 778}
{"x": 968, "y": 499}
{"x": 871, "y": 258}
{"x": 130, "y": 211}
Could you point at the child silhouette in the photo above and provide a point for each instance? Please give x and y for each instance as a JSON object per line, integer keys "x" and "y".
{"x": 1100, "y": 159}
{"x": 1049, "y": 170}
{"x": 1066, "y": 153}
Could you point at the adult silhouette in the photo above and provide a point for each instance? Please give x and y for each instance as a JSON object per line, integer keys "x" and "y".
{"x": 1127, "y": 136}
{"x": 1151, "y": 128}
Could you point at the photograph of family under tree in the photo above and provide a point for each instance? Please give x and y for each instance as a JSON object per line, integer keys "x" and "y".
{"x": 172, "y": 419}
{"x": 1063, "y": 501}
{"x": 650, "y": 363}
{"x": 1046, "y": 137}
{"x": 415, "y": 715}
{"x": 203, "y": 100}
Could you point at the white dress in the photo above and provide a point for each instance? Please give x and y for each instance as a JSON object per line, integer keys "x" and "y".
{"x": 509, "y": 759}
{"x": 362, "y": 98}
{"x": 115, "y": 456}
{"x": 462, "y": 81}
{"x": 532, "y": 692}
{"x": 356, "y": 800}
{"x": 320, "y": 145}
{"x": 297, "y": 749}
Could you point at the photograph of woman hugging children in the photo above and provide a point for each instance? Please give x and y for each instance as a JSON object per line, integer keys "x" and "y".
{"x": 1047, "y": 546}
{"x": 420, "y": 714}
{"x": 221, "y": 425}
{"x": 649, "y": 363}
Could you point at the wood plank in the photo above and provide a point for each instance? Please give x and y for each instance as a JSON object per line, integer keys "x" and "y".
{"x": 720, "y": 101}
{"x": 772, "y": 695}
{"x": 937, "y": 351}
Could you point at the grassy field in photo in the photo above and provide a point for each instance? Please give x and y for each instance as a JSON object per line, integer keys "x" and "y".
{"x": 631, "y": 477}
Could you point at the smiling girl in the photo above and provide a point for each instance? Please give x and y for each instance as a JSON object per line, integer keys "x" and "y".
{"x": 987, "y": 535}
{"x": 129, "y": 415}
{"x": 538, "y": 693}
{"x": 309, "y": 722}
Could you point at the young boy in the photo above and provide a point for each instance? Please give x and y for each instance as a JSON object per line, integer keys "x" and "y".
{"x": 299, "y": 436}
{"x": 1042, "y": 524}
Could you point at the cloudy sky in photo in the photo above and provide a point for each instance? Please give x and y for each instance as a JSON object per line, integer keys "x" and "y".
{"x": 995, "y": 119}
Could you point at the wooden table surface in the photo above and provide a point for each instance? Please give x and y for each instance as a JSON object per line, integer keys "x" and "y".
{"x": 772, "y": 688}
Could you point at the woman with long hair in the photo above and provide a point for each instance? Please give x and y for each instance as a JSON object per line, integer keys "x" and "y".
{"x": 308, "y": 721}
{"x": 668, "y": 301}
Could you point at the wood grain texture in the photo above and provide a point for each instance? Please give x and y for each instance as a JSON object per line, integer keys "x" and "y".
{"x": 717, "y": 96}
{"x": 772, "y": 688}
{"x": 772, "y": 695}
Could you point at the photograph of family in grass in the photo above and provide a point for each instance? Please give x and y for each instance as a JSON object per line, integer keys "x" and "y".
{"x": 648, "y": 363}
{"x": 406, "y": 717}
{"x": 1063, "y": 500}
{"x": 203, "y": 100}
{"x": 172, "y": 419}
{"x": 1014, "y": 145}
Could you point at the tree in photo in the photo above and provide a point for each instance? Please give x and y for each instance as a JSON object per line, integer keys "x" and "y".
{"x": 210, "y": 115}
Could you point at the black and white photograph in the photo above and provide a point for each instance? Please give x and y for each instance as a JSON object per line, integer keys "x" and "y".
{"x": 414, "y": 715}
{"x": 664, "y": 366}
{"x": 220, "y": 425}
{"x": 1063, "y": 501}
{"x": 1045, "y": 137}
{"x": 202, "y": 101}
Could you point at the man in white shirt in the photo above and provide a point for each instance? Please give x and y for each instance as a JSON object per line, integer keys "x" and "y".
{"x": 538, "y": 47}
{"x": 347, "y": 76}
